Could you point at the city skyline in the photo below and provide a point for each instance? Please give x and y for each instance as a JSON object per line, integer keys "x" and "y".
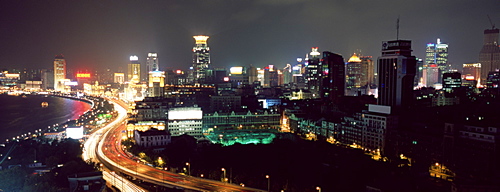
{"x": 98, "y": 35}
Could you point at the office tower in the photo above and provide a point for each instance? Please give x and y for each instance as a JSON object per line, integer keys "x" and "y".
{"x": 252, "y": 74}
{"x": 354, "y": 75}
{"x": 156, "y": 83}
{"x": 438, "y": 54}
{"x": 430, "y": 75}
{"x": 451, "y": 81}
{"x": 489, "y": 57}
{"x": 396, "y": 70}
{"x": 333, "y": 77}
{"x": 472, "y": 72}
{"x": 313, "y": 72}
{"x": 59, "y": 72}
{"x": 238, "y": 76}
{"x": 201, "y": 58}
{"x": 298, "y": 71}
{"x": 152, "y": 62}
{"x": 47, "y": 76}
{"x": 134, "y": 70}
{"x": 368, "y": 66}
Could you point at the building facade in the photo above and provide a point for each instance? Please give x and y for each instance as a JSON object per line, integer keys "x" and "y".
{"x": 152, "y": 138}
{"x": 201, "y": 58}
{"x": 489, "y": 57}
{"x": 59, "y": 72}
{"x": 396, "y": 71}
{"x": 185, "y": 120}
{"x": 134, "y": 70}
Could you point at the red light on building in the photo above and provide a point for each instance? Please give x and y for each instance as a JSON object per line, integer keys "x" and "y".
{"x": 83, "y": 75}
{"x": 226, "y": 79}
{"x": 178, "y": 71}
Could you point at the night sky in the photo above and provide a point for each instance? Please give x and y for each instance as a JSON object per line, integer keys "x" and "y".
{"x": 103, "y": 34}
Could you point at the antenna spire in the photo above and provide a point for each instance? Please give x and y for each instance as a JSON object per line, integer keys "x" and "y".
{"x": 397, "y": 28}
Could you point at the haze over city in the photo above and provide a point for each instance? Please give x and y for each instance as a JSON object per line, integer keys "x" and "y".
{"x": 98, "y": 35}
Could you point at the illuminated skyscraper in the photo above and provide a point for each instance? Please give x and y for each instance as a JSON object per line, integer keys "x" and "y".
{"x": 152, "y": 62}
{"x": 134, "y": 69}
{"x": 354, "y": 73}
{"x": 59, "y": 72}
{"x": 437, "y": 54}
{"x": 313, "y": 72}
{"x": 396, "y": 70}
{"x": 201, "y": 58}
{"x": 156, "y": 83}
{"x": 489, "y": 57}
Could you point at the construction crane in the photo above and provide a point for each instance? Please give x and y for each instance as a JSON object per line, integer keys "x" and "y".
{"x": 492, "y": 24}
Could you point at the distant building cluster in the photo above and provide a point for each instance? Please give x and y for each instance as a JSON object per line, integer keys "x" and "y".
{"x": 417, "y": 112}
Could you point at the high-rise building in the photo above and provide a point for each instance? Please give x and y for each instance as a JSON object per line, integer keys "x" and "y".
{"x": 354, "y": 75}
{"x": 313, "y": 72}
{"x": 134, "y": 69}
{"x": 438, "y": 54}
{"x": 472, "y": 72}
{"x": 201, "y": 58}
{"x": 152, "y": 62}
{"x": 59, "y": 72}
{"x": 156, "y": 83}
{"x": 489, "y": 57}
{"x": 430, "y": 75}
{"x": 396, "y": 70}
{"x": 369, "y": 67}
{"x": 332, "y": 77}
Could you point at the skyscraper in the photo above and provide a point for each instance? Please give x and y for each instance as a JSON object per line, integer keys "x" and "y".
{"x": 332, "y": 77}
{"x": 59, "y": 72}
{"x": 156, "y": 83}
{"x": 437, "y": 54}
{"x": 489, "y": 57}
{"x": 134, "y": 69}
{"x": 396, "y": 70}
{"x": 313, "y": 72}
{"x": 354, "y": 75}
{"x": 152, "y": 62}
{"x": 201, "y": 58}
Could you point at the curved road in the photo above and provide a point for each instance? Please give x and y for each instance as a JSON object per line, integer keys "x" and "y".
{"x": 110, "y": 153}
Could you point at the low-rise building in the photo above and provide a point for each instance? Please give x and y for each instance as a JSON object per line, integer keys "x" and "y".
{"x": 152, "y": 138}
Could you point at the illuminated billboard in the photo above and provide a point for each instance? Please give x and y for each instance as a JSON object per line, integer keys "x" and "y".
{"x": 83, "y": 75}
{"x": 70, "y": 83}
{"x": 185, "y": 113}
{"x": 236, "y": 70}
{"x": 74, "y": 132}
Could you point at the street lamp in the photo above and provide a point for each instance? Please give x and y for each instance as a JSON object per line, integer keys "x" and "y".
{"x": 224, "y": 170}
{"x": 189, "y": 168}
{"x": 268, "y": 183}
{"x": 318, "y": 188}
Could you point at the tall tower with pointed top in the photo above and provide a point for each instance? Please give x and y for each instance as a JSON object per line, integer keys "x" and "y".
{"x": 201, "y": 58}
